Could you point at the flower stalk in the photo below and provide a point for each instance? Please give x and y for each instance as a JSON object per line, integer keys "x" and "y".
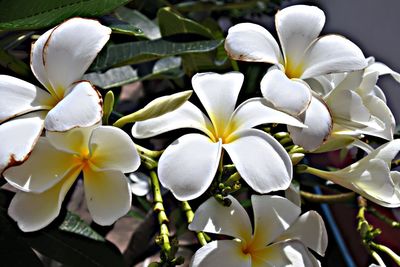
{"x": 329, "y": 199}
{"x": 201, "y": 237}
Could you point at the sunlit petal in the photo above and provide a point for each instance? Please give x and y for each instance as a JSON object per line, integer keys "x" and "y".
{"x": 213, "y": 217}
{"x": 330, "y": 54}
{"x": 310, "y": 229}
{"x": 186, "y": 116}
{"x": 188, "y": 166}
{"x": 18, "y": 97}
{"x": 108, "y": 195}
{"x": 297, "y": 27}
{"x": 251, "y": 42}
{"x": 35, "y": 211}
{"x": 272, "y": 216}
{"x": 223, "y": 253}
{"x": 218, "y": 94}
{"x": 45, "y": 167}
{"x": 113, "y": 149}
{"x": 319, "y": 122}
{"x": 18, "y": 137}
{"x": 70, "y": 49}
{"x": 261, "y": 161}
{"x": 82, "y": 107}
{"x": 291, "y": 96}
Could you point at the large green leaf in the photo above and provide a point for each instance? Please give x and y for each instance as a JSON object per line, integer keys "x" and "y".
{"x": 137, "y": 19}
{"x": 142, "y": 51}
{"x": 172, "y": 23}
{"x": 22, "y": 14}
{"x": 74, "y": 224}
{"x": 165, "y": 68}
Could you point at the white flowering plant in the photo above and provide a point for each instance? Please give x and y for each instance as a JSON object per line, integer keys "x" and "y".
{"x": 214, "y": 140}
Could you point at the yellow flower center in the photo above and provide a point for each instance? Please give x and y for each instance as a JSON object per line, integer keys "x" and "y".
{"x": 84, "y": 159}
{"x": 293, "y": 71}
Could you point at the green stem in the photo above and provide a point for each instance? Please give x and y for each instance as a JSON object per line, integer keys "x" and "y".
{"x": 344, "y": 197}
{"x": 162, "y": 217}
{"x": 149, "y": 153}
{"x": 14, "y": 64}
{"x": 189, "y": 216}
{"x": 382, "y": 217}
{"x": 386, "y": 250}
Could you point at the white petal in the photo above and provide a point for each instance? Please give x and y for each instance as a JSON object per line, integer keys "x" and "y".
{"x": 386, "y": 152}
{"x": 222, "y": 253}
{"x": 330, "y": 54}
{"x": 291, "y": 96}
{"x": 382, "y": 69}
{"x": 45, "y": 167}
{"x": 32, "y": 211}
{"x": 139, "y": 183}
{"x": 319, "y": 122}
{"x": 293, "y": 192}
{"x": 37, "y": 63}
{"x": 218, "y": 94}
{"x": 213, "y": 217}
{"x": 290, "y": 253}
{"x": 272, "y": 216}
{"x": 262, "y": 162}
{"x": 108, "y": 195}
{"x": 18, "y": 137}
{"x": 186, "y": 116}
{"x": 188, "y": 166}
{"x": 297, "y": 27}
{"x": 74, "y": 141}
{"x": 113, "y": 149}
{"x": 251, "y": 42}
{"x": 381, "y": 111}
{"x": 18, "y": 97}
{"x": 70, "y": 49}
{"x": 81, "y": 107}
{"x": 256, "y": 111}
{"x": 310, "y": 229}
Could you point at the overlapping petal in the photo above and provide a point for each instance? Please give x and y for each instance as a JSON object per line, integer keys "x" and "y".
{"x": 331, "y": 54}
{"x": 108, "y": 195}
{"x": 305, "y": 229}
{"x": 221, "y": 253}
{"x": 124, "y": 156}
{"x": 45, "y": 167}
{"x": 256, "y": 111}
{"x": 272, "y": 216}
{"x": 318, "y": 119}
{"x": 81, "y": 107}
{"x": 18, "y": 137}
{"x": 251, "y": 42}
{"x": 68, "y": 51}
{"x": 188, "y": 166}
{"x": 298, "y": 26}
{"x": 35, "y": 211}
{"x": 291, "y": 96}
{"x": 212, "y": 217}
{"x": 186, "y": 116}
{"x": 261, "y": 161}
{"x": 218, "y": 94}
{"x": 18, "y": 97}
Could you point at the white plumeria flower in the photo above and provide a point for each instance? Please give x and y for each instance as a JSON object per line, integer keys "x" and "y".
{"x": 59, "y": 58}
{"x": 280, "y": 236}
{"x": 188, "y": 166}
{"x": 139, "y": 183}
{"x": 102, "y": 153}
{"x": 304, "y": 55}
{"x": 371, "y": 176}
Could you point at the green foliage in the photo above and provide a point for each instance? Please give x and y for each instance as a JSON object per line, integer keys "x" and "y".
{"x": 74, "y": 224}
{"x": 22, "y": 15}
{"x": 149, "y": 28}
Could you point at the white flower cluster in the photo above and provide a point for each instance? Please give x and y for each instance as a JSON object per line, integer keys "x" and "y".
{"x": 322, "y": 88}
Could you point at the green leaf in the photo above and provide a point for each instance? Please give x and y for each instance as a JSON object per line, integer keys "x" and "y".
{"x": 22, "y": 14}
{"x": 135, "y": 214}
{"x": 172, "y": 23}
{"x": 142, "y": 51}
{"x": 133, "y": 17}
{"x": 165, "y": 68}
{"x": 14, "y": 64}
{"x": 144, "y": 203}
{"x": 156, "y": 108}
{"x": 74, "y": 224}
